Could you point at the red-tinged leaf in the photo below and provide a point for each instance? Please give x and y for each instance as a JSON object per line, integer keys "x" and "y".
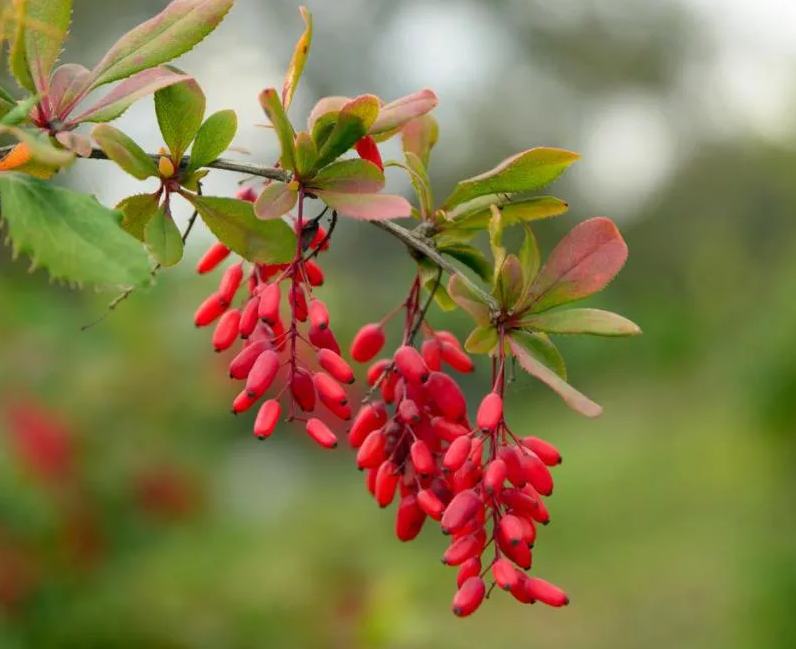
{"x": 126, "y": 93}
{"x": 367, "y": 207}
{"x": 325, "y": 106}
{"x": 584, "y": 262}
{"x": 353, "y": 121}
{"x": 574, "y": 399}
{"x": 296, "y": 66}
{"x": 418, "y": 136}
{"x": 530, "y": 259}
{"x": 174, "y": 31}
{"x": 582, "y": 321}
{"x": 348, "y": 177}
{"x": 74, "y": 142}
{"x": 42, "y": 47}
{"x": 397, "y": 113}
{"x": 69, "y": 84}
{"x": 276, "y": 200}
{"x": 124, "y": 152}
{"x": 528, "y": 171}
{"x": 269, "y": 100}
{"x": 461, "y": 293}
{"x": 509, "y": 282}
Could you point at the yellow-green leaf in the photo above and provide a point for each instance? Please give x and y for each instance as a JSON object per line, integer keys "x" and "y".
{"x": 163, "y": 238}
{"x": 180, "y": 109}
{"x": 269, "y": 100}
{"x": 296, "y": 66}
{"x": 213, "y": 138}
{"x": 353, "y": 122}
{"x": 124, "y": 152}
{"x": 136, "y": 212}
{"x": 582, "y": 321}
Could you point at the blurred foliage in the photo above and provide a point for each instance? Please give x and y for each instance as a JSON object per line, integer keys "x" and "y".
{"x": 673, "y": 519}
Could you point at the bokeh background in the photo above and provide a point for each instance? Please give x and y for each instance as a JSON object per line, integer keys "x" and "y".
{"x": 135, "y": 511}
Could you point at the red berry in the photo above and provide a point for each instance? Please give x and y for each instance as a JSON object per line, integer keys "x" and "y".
{"x": 470, "y": 568}
{"x": 372, "y": 452}
{"x": 511, "y": 528}
{"x": 494, "y": 476}
{"x": 370, "y": 417}
{"x": 246, "y": 194}
{"x": 303, "y": 390}
{"x": 457, "y": 453}
{"x": 490, "y": 412}
{"x": 368, "y": 342}
{"x": 544, "y": 591}
{"x": 536, "y": 473}
{"x": 324, "y": 339}
{"x": 335, "y": 366}
{"x": 268, "y": 308}
{"x": 319, "y": 316}
{"x": 242, "y": 364}
{"x": 469, "y": 597}
{"x": 430, "y": 351}
{"x": 226, "y": 330}
{"x": 455, "y": 356}
{"x": 505, "y": 574}
{"x": 409, "y": 412}
{"x": 298, "y": 301}
{"x": 376, "y": 372}
{"x": 321, "y": 433}
{"x": 267, "y": 418}
{"x": 242, "y": 403}
{"x": 328, "y": 389}
{"x": 447, "y": 430}
{"x": 430, "y": 503}
{"x": 217, "y": 253}
{"x": 262, "y": 374}
{"x": 386, "y": 483}
{"x": 422, "y": 459}
{"x": 209, "y": 310}
{"x": 367, "y": 149}
{"x": 313, "y": 271}
{"x": 409, "y": 518}
{"x": 545, "y": 450}
{"x": 461, "y": 510}
{"x": 249, "y": 318}
{"x": 230, "y": 283}
{"x": 447, "y": 396}
{"x": 462, "y": 549}
{"x": 410, "y": 364}
{"x": 341, "y": 411}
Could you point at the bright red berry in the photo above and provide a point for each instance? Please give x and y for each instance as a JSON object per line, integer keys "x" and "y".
{"x": 217, "y": 253}
{"x": 267, "y": 418}
{"x": 335, "y": 366}
{"x": 490, "y": 412}
{"x": 368, "y": 342}
{"x": 469, "y": 597}
{"x": 268, "y": 308}
{"x": 319, "y": 316}
{"x": 262, "y": 374}
{"x": 230, "y": 283}
{"x": 226, "y": 331}
{"x": 210, "y": 310}
{"x": 321, "y": 433}
{"x": 545, "y": 450}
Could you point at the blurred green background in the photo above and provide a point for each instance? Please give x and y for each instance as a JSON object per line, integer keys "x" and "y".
{"x": 673, "y": 518}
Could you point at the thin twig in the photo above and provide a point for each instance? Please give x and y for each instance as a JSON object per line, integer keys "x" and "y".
{"x": 421, "y": 316}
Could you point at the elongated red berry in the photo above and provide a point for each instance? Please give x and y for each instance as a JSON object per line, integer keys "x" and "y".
{"x": 469, "y": 597}
{"x": 544, "y": 591}
{"x": 372, "y": 452}
{"x": 409, "y": 412}
{"x": 242, "y": 403}
{"x": 511, "y": 528}
{"x": 410, "y": 364}
{"x": 456, "y": 357}
{"x": 267, "y": 418}
{"x": 262, "y": 374}
{"x": 242, "y": 364}
{"x": 328, "y": 389}
{"x": 462, "y": 549}
{"x": 430, "y": 503}
{"x": 519, "y": 590}
{"x": 247, "y": 194}
{"x": 230, "y": 283}
{"x": 545, "y": 450}
{"x": 249, "y": 318}
{"x": 367, "y": 149}
{"x": 422, "y": 459}
{"x": 536, "y": 473}
{"x": 505, "y": 574}
{"x": 409, "y": 518}
{"x": 470, "y": 568}
{"x": 313, "y": 272}
{"x": 268, "y": 308}
{"x": 341, "y": 411}
{"x": 463, "y": 508}
{"x": 430, "y": 350}
{"x": 303, "y": 390}
{"x": 321, "y": 433}
{"x": 298, "y": 302}
{"x": 209, "y": 310}
{"x": 226, "y": 331}
{"x": 370, "y": 417}
{"x": 335, "y": 366}
{"x": 490, "y": 412}
{"x": 447, "y": 395}
{"x": 457, "y": 453}
{"x": 377, "y": 371}
{"x": 217, "y": 253}
{"x": 319, "y": 315}
{"x": 388, "y": 387}
{"x": 386, "y": 483}
{"x": 514, "y": 469}
{"x": 447, "y": 430}
{"x": 368, "y": 342}
{"x": 324, "y": 339}
{"x": 494, "y": 476}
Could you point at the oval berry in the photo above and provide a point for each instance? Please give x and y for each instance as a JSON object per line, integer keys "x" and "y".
{"x": 321, "y": 433}
{"x": 469, "y": 597}
{"x": 217, "y": 253}
{"x": 367, "y": 342}
{"x": 267, "y": 419}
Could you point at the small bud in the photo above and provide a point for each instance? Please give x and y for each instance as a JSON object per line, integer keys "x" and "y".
{"x": 165, "y": 167}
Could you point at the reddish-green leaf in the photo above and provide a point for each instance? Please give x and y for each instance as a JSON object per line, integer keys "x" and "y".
{"x": 174, "y": 31}
{"x": 467, "y": 299}
{"x": 584, "y": 262}
{"x": 276, "y": 200}
{"x": 418, "y": 136}
{"x": 348, "y": 177}
{"x": 540, "y": 346}
{"x": 126, "y": 93}
{"x": 470, "y": 256}
{"x": 43, "y": 46}
{"x": 180, "y": 109}
{"x": 397, "y": 113}
{"x": 582, "y": 321}
{"x": 269, "y": 100}
{"x": 296, "y": 66}
{"x": 325, "y": 106}
{"x": 213, "y": 138}
{"x": 124, "y": 152}
{"x": 508, "y": 289}
{"x": 367, "y": 207}
{"x": 528, "y": 171}
{"x": 574, "y": 399}
{"x": 530, "y": 259}
{"x": 353, "y": 122}
{"x": 69, "y": 83}
{"x": 74, "y": 142}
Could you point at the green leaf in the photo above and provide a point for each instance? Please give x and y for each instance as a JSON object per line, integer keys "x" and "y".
{"x": 429, "y": 272}
{"x": 570, "y": 395}
{"x": 482, "y": 340}
{"x": 163, "y": 239}
{"x": 418, "y": 174}
{"x": 530, "y": 259}
{"x": 300, "y": 54}
{"x": 306, "y": 155}
{"x": 496, "y": 241}
{"x": 180, "y": 109}
{"x": 419, "y": 136}
{"x": 367, "y": 207}
{"x": 514, "y": 212}
{"x": 191, "y": 179}
{"x": 126, "y": 93}
{"x": 528, "y": 171}
{"x": 17, "y": 60}
{"x": 43, "y": 46}
{"x": 543, "y": 350}
{"x": 348, "y": 177}
{"x": 467, "y": 299}
{"x": 397, "y": 113}
{"x": 269, "y": 100}
{"x": 136, "y": 213}
{"x": 20, "y": 112}
{"x": 509, "y": 282}
{"x": 353, "y": 122}
{"x": 471, "y": 257}
{"x": 213, "y": 138}
{"x": 582, "y": 321}
{"x": 234, "y": 224}
{"x": 276, "y": 200}
{"x": 322, "y": 128}
{"x": 176, "y": 30}
{"x": 70, "y": 234}
{"x": 583, "y": 263}
{"x": 7, "y": 102}
{"x": 124, "y": 152}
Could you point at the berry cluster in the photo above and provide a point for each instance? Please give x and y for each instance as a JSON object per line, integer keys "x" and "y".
{"x": 484, "y": 485}
{"x": 270, "y": 347}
